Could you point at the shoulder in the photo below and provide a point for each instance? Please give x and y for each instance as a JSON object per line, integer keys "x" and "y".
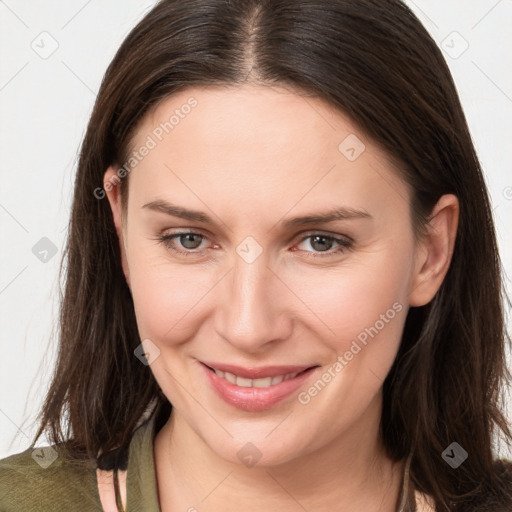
{"x": 44, "y": 479}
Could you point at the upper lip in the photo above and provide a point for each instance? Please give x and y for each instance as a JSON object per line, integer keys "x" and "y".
{"x": 257, "y": 373}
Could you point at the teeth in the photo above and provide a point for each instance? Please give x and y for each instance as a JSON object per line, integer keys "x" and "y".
{"x": 230, "y": 377}
{"x": 256, "y": 383}
{"x": 262, "y": 383}
{"x": 277, "y": 379}
{"x": 244, "y": 383}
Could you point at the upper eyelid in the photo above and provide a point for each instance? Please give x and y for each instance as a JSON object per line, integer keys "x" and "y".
{"x": 199, "y": 231}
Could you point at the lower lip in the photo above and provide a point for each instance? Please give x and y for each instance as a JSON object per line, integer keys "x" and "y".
{"x": 255, "y": 399}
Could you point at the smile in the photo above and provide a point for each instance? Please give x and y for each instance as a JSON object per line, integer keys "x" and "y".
{"x": 256, "y": 383}
{"x": 255, "y": 389}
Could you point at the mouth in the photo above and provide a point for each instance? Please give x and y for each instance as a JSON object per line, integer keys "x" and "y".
{"x": 256, "y": 389}
{"x": 261, "y": 382}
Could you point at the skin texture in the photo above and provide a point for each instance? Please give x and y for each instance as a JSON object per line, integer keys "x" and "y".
{"x": 252, "y": 157}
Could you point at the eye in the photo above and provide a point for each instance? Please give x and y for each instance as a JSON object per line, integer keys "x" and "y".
{"x": 188, "y": 243}
{"x": 188, "y": 240}
{"x": 322, "y": 243}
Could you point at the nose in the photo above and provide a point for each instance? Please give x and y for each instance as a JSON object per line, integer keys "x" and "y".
{"x": 252, "y": 308}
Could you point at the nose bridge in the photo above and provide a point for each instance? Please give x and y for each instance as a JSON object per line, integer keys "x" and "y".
{"x": 252, "y": 308}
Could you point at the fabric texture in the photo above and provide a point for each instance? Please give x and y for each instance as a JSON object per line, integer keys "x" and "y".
{"x": 68, "y": 486}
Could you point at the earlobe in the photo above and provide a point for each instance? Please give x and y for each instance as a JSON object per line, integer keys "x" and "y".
{"x": 113, "y": 192}
{"x": 434, "y": 251}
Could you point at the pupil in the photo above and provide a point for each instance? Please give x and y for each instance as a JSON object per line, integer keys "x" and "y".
{"x": 189, "y": 239}
{"x": 322, "y": 245}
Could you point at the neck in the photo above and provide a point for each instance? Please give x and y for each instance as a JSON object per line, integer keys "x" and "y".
{"x": 352, "y": 473}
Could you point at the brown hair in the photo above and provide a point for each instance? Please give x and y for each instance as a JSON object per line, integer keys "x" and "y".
{"x": 375, "y": 62}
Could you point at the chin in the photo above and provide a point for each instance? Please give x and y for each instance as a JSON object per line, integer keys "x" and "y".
{"x": 260, "y": 452}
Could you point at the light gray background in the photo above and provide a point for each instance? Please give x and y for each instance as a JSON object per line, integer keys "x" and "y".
{"x": 45, "y": 101}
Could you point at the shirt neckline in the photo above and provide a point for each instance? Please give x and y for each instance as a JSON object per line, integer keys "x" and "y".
{"x": 141, "y": 484}
{"x": 142, "y": 493}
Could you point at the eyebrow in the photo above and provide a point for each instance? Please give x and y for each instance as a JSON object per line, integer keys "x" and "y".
{"x": 331, "y": 215}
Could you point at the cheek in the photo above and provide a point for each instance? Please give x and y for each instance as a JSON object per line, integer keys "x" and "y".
{"x": 362, "y": 313}
{"x": 166, "y": 296}
{"x": 362, "y": 293}
{"x": 354, "y": 300}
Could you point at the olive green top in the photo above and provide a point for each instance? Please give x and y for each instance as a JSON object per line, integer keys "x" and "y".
{"x": 41, "y": 480}
{"x": 66, "y": 486}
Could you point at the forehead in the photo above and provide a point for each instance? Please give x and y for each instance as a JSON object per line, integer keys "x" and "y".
{"x": 265, "y": 145}
{"x": 280, "y": 118}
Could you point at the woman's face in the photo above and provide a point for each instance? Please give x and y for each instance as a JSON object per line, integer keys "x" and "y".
{"x": 255, "y": 286}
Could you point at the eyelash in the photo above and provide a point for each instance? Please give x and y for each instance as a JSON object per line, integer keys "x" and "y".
{"x": 344, "y": 243}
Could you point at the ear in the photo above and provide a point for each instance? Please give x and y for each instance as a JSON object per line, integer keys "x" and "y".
{"x": 434, "y": 251}
{"x": 113, "y": 191}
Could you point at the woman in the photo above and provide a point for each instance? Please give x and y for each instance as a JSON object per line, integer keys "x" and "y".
{"x": 281, "y": 228}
